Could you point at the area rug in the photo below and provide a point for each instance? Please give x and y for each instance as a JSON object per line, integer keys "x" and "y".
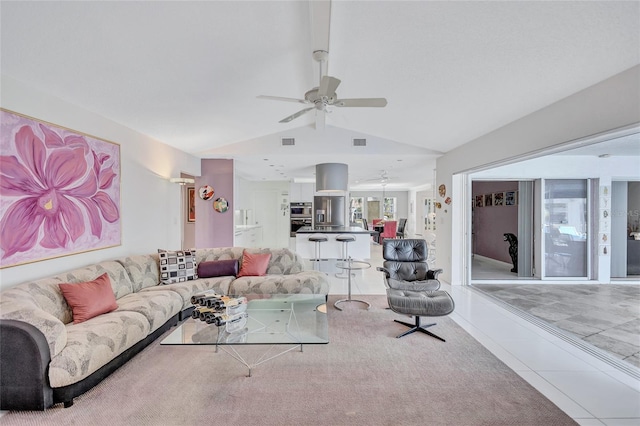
{"x": 364, "y": 376}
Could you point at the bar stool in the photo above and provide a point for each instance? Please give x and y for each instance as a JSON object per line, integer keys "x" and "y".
{"x": 317, "y": 239}
{"x": 345, "y": 239}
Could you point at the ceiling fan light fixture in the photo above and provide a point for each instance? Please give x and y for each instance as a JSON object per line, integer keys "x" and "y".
{"x": 332, "y": 177}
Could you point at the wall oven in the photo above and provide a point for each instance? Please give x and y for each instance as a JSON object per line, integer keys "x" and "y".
{"x": 297, "y": 223}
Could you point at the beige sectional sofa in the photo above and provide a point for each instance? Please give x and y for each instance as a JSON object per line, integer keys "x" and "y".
{"x": 46, "y": 358}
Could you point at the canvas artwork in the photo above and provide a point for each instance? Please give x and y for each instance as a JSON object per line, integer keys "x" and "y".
{"x": 498, "y": 198}
{"x": 191, "y": 205}
{"x": 60, "y": 191}
{"x": 488, "y": 200}
{"x": 510, "y": 198}
{"x": 479, "y": 200}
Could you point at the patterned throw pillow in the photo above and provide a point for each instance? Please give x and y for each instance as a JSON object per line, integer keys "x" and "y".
{"x": 177, "y": 266}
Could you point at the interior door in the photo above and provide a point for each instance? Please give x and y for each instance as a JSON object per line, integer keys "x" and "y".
{"x": 275, "y": 231}
{"x": 373, "y": 210}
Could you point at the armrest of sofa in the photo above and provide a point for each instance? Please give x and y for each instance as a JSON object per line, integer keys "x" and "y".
{"x": 24, "y": 367}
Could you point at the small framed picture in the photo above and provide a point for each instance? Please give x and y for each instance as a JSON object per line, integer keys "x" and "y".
{"x": 488, "y": 200}
{"x": 191, "y": 205}
{"x": 479, "y": 201}
{"x": 498, "y": 198}
{"x": 510, "y": 198}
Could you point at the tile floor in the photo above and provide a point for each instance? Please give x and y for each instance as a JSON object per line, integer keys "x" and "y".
{"x": 588, "y": 389}
{"x": 605, "y": 316}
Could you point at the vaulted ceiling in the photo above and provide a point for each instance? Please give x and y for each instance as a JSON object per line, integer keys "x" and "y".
{"x": 189, "y": 73}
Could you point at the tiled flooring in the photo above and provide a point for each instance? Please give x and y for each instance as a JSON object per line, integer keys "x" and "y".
{"x": 606, "y": 316}
{"x": 588, "y": 389}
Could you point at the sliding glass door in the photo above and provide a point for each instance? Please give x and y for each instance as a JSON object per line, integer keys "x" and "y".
{"x": 565, "y": 228}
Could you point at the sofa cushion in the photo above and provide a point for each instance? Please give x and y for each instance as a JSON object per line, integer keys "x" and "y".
{"x": 311, "y": 282}
{"x": 189, "y": 288}
{"x": 218, "y": 268}
{"x": 283, "y": 260}
{"x": 142, "y": 269}
{"x": 157, "y": 307}
{"x": 177, "y": 266}
{"x": 254, "y": 264}
{"x": 17, "y": 303}
{"x": 93, "y": 343}
{"x": 89, "y": 299}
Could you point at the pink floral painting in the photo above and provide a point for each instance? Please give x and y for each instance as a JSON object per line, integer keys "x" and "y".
{"x": 59, "y": 191}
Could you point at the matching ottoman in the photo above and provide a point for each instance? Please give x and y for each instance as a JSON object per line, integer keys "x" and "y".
{"x": 420, "y": 304}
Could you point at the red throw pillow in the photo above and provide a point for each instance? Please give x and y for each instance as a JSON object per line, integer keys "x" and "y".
{"x": 254, "y": 264}
{"x": 89, "y": 299}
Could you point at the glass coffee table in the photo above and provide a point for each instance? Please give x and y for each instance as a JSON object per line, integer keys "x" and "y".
{"x": 290, "y": 320}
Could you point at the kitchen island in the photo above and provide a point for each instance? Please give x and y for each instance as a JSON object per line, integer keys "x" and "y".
{"x": 332, "y": 249}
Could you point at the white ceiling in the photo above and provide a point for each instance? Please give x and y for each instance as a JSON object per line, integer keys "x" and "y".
{"x": 188, "y": 73}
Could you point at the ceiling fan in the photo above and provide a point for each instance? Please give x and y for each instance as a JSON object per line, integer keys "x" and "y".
{"x": 384, "y": 178}
{"x": 325, "y": 95}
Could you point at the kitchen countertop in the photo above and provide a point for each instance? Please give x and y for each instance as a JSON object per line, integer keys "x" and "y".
{"x": 333, "y": 230}
{"x": 245, "y": 227}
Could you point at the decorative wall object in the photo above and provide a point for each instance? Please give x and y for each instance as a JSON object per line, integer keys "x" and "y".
{"x": 221, "y": 205}
{"x": 479, "y": 200}
{"x": 206, "y": 192}
{"x": 488, "y": 200}
{"x": 604, "y": 225}
{"x": 60, "y": 191}
{"x": 442, "y": 190}
{"x": 447, "y": 201}
{"x": 191, "y": 205}
{"x": 510, "y": 198}
{"x": 498, "y": 198}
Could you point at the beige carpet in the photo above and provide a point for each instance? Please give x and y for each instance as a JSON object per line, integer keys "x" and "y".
{"x": 364, "y": 376}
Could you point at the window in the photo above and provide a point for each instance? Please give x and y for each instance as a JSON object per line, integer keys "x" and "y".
{"x": 389, "y": 208}
{"x": 356, "y": 209}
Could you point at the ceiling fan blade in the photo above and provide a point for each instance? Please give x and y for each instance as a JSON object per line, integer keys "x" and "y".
{"x": 362, "y": 102}
{"x": 296, "y": 115}
{"x": 280, "y": 98}
{"x": 328, "y": 86}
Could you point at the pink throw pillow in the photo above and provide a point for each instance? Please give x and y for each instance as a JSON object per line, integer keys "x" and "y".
{"x": 89, "y": 299}
{"x": 254, "y": 264}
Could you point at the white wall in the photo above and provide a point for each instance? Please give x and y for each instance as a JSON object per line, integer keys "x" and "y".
{"x": 266, "y": 200}
{"x": 150, "y": 204}
{"x": 608, "y": 105}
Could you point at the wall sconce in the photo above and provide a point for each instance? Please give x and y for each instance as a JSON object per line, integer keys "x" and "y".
{"x": 182, "y": 181}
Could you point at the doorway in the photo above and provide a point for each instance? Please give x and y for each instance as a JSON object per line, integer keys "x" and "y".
{"x": 625, "y": 228}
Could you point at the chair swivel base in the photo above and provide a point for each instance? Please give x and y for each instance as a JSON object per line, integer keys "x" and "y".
{"x": 350, "y": 300}
{"x": 417, "y": 327}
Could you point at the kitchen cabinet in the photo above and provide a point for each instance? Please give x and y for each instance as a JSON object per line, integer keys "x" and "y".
{"x": 301, "y": 192}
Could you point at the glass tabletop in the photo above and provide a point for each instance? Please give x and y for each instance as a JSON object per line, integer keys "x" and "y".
{"x": 353, "y": 264}
{"x": 271, "y": 319}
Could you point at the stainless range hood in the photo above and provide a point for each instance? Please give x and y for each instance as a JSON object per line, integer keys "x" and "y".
{"x": 332, "y": 177}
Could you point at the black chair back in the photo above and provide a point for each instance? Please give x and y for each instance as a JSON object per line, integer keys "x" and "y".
{"x": 406, "y": 260}
{"x": 402, "y": 224}
{"x": 365, "y": 225}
